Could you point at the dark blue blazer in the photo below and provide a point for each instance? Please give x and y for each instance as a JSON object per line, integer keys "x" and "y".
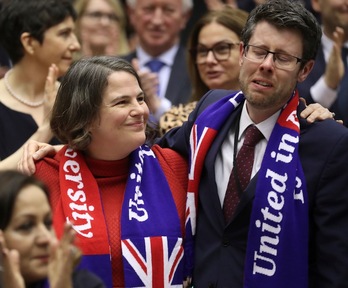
{"x": 179, "y": 84}
{"x": 339, "y": 106}
{"x": 220, "y": 249}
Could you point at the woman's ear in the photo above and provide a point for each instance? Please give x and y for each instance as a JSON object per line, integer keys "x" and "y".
{"x": 28, "y": 43}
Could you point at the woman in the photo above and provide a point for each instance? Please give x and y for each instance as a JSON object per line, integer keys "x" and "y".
{"x": 29, "y": 248}
{"x": 38, "y": 37}
{"x": 127, "y": 202}
{"x": 100, "y": 27}
{"x": 213, "y": 63}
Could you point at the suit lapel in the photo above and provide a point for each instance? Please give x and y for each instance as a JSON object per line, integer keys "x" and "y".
{"x": 208, "y": 193}
{"x": 179, "y": 82}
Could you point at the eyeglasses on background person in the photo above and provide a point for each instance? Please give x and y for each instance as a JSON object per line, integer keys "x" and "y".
{"x": 221, "y": 52}
{"x": 281, "y": 60}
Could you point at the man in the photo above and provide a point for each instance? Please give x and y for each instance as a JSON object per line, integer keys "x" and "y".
{"x": 328, "y": 83}
{"x": 157, "y": 24}
{"x": 290, "y": 225}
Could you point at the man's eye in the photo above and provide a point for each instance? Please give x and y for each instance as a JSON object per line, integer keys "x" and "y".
{"x": 284, "y": 58}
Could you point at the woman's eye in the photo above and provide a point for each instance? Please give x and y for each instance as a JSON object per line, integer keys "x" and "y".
{"x": 48, "y": 224}
{"x": 27, "y": 226}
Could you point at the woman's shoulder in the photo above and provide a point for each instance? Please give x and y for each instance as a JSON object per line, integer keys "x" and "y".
{"x": 174, "y": 166}
{"x": 169, "y": 157}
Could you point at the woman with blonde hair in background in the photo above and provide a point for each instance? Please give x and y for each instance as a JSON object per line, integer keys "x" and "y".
{"x": 100, "y": 27}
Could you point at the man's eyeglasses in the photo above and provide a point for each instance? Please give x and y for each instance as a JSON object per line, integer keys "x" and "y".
{"x": 221, "y": 52}
{"x": 281, "y": 60}
{"x": 97, "y": 15}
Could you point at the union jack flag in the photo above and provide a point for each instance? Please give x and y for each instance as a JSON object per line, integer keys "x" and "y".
{"x": 153, "y": 262}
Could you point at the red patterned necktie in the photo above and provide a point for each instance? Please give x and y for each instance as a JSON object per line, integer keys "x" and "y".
{"x": 241, "y": 172}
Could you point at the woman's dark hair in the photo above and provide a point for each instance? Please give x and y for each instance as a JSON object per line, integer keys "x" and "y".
{"x": 80, "y": 96}
{"x": 32, "y": 16}
{"x": 232, "y": 19}
{"x": 11, "y": 184}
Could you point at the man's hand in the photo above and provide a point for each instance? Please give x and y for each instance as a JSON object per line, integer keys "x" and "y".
{"x": 315, "y": 112}
{"x": 33, "y": 151}
{"x": 335, "y": 67}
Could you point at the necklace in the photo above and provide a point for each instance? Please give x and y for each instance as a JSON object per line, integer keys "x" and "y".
{"x": 20, "y": 99}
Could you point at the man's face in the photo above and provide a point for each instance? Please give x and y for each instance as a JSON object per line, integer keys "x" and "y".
{"x": 158, "y": 24}
{"x": 266, "y": 87}
{"x": 333, "y": 13}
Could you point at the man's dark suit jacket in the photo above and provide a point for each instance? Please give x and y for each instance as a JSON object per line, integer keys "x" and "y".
{"x": 179, "y": 84}
{"x": 220, "y": 249}
{"x": 305, "y": 86}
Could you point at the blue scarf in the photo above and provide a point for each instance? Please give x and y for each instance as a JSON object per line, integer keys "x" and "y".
{"x": 277, "y": 247}
{"x": 151, "y": 235}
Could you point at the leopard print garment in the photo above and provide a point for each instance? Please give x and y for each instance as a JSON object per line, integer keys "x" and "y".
{"x": 175, "y": 117}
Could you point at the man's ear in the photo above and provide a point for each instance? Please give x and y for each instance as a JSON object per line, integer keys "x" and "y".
{"x": 241, "y": 53}
{"x": 304, "y": 72}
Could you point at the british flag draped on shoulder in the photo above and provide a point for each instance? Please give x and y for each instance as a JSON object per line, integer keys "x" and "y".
{"x": 151, "y": 236}
{"x": 277, "y": 245}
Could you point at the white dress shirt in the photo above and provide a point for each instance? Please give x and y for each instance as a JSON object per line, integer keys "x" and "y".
{"x": 224, "y": 159}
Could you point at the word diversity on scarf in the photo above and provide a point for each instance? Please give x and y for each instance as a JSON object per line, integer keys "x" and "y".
{"x": 151, "y": 237}
{"x": 277, "y": 247}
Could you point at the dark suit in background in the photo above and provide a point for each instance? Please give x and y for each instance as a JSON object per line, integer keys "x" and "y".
{"x": 179, "y": 85}
{"x": 220, "y": 249}
{"x": 319, "y": 70}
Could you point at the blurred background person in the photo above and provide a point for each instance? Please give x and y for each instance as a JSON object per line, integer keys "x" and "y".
{"x": 328, "y": 82}
{"x": 38, "y": 36}
{"x": 31, "y": 254}
{"x": 100, "y": 27}
{"x": 159, "y": 58}
{"x": 213, "y": 60}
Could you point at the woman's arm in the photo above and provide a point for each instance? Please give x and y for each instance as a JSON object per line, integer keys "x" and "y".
{"x": 43, "y": 133}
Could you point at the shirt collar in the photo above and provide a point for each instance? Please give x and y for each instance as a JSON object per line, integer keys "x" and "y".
{"x": 265, "y": 127}
{"x": 167, "y": 57}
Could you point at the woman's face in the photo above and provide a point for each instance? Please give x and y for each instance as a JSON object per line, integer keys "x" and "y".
{"x": 30, "y": 232}
{"x": 99, "y": 26}
{"x": 221, "y": 74}
{"x": 121, "y": 125}
{"x": 59, "y": 45}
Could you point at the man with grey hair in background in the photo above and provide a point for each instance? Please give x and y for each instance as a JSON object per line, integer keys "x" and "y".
{"x": 159, "y": 58}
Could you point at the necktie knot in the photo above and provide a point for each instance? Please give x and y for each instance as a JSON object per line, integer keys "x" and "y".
{"x": 252, "y": 136}
{"x": 155, "y": 65}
